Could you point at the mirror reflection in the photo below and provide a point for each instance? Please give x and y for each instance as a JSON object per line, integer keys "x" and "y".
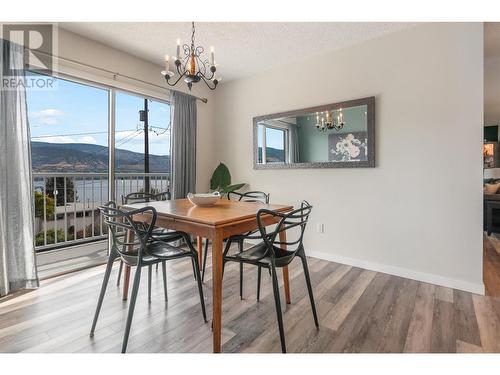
{"x": 331, "y": 136}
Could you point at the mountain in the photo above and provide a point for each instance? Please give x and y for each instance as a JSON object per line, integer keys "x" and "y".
{"x": 273, "y": 155}
{"x": 81, "y": 157}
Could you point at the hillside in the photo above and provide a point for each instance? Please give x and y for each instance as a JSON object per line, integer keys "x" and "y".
{"x": 274, "y": 155}
{"x": 81, "y": 157}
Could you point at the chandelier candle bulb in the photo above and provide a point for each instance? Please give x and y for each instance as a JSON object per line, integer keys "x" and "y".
{"x": 192, "y": 66}
{"x": 167, "y": 65}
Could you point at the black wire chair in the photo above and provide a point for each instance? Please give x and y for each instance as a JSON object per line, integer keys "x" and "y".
{"x": 270, "y": 254}
{"x": 160, "y": 234}
{"x": 143, "y": 250}
{"x": 249, "y": 196}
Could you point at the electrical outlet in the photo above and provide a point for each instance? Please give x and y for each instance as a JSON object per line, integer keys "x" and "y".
{"x": 320, "y": 228}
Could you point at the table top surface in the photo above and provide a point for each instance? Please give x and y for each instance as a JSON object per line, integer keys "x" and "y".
{"x": 223, "y": 212}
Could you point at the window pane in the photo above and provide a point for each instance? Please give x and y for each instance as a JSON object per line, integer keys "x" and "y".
{"x": 69, "y": 133}
{"x": 159, "y": 136}
{"x": 275, "y": 145}
{"x": 129, "y": 134}
{"x": 260, "y": 131}
{"x": 69, "y": 128}
{"x": 130, "y": 139}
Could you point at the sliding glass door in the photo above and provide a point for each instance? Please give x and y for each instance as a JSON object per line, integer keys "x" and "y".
{"x": 71, "y": 127}
{"x": 69, "y": 138}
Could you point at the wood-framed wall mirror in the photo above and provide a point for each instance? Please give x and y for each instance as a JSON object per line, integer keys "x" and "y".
{"x": 338, "y": 135}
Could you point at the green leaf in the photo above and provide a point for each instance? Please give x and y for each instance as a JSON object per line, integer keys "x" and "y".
{"x": 221, "y": 178}
{"x": 231, "y": 188}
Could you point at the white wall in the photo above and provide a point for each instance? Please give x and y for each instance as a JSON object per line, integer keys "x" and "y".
{"x": 419, "y": 212}
{"x": 492, "y": 91}
{"x": 84, "y": 50}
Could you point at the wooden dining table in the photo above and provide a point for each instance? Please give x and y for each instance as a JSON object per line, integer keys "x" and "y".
{"x": 224, "y": 219}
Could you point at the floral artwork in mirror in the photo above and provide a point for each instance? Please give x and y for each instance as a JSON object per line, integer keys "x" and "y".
{"x": 348, "y": 147}
{"x": 337, "y": 135}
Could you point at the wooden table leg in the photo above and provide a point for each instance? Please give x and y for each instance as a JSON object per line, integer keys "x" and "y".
{"x": 286, "y": 279}
{"x": 217, "y": 291}
{"x": 126, "y": 271}
{"x": 199, "y": 248}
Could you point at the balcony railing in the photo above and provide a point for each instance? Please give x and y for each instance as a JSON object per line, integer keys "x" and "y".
{"x": 66, "y": 204}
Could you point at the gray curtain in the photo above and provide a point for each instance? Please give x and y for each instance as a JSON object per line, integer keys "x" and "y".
{"x": 183, "y": 144}
{"x": 17, "y": 251}
{"x": 293, "y": 144}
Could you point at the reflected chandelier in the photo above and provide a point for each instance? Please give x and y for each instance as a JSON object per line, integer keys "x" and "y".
{"x": 327, "y": 120}
{"x": 191, "y": 65}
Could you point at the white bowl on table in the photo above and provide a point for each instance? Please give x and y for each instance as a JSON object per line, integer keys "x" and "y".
{"x": 204, "y": 199}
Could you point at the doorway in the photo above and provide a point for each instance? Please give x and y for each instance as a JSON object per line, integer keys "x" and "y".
{"x": 491, "y": 160}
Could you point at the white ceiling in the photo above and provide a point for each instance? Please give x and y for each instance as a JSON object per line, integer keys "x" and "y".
{"x": 241, "y": 49}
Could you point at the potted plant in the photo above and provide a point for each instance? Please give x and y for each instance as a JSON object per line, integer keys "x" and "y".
{"x": 221, "y": 180}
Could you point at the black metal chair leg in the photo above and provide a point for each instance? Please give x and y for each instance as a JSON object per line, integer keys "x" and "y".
{"x": 193, "y": 263}
{"x": 164, "y": 270}
{"x": 200, "y": 286}
{"x": 223, "y": 266}
{"x": 119, "y": 273}
{"x": 130, "y": 315}
{"x": 105, "y": 281}
{"x": 204, "y": 261}
{"x": 277, "y": 301}
{"x": 309, "y": 288}
{"x": 150, "y": 269}
{"x": 259, "y": 273}
{"x": 226, "y": 250}
{"x": 194, "y": 269}
{"x": 240, "y": 247}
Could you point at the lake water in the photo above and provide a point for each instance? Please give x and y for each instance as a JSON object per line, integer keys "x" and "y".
{"x": 96, "y": 191}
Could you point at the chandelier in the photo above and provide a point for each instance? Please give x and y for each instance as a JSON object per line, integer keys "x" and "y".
{"x": 327, "y": 120}
{"x": 191, "y": 66}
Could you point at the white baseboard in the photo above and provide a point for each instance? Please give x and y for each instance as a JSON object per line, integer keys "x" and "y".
{"x": 398, "y": 271}
{"x": 402, "y": 272}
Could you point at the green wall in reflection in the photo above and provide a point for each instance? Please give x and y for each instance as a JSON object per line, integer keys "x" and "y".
{"x": 313, "y": 144}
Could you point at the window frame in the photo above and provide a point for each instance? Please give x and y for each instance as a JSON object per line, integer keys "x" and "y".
{"x": 77, "y": 76}
{"x": 111, "y": 90}
{"x": 264, "y": 142}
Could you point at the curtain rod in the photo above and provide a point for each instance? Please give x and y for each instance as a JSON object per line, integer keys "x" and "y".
{"x": 114, "y": 74}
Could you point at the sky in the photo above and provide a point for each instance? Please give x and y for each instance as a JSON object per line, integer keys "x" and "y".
{"x": 77, "y": 113}
{"x": 274, "y": 138}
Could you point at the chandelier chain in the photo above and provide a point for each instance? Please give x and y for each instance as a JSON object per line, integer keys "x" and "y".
{"x": 192, "y": 36}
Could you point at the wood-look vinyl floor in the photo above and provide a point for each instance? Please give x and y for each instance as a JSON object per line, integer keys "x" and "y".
{"x": 359, "y": 311}
{"x": 491, "y": 264}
